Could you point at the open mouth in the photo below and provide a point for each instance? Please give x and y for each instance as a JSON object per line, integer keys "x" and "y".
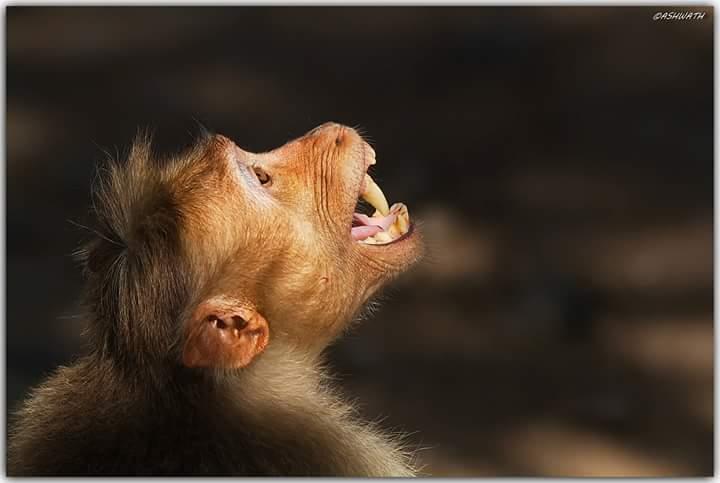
{"x": 387, "y": 224}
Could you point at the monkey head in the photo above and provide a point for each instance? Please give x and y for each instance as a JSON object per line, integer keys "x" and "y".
{"x": 231, "y": 250}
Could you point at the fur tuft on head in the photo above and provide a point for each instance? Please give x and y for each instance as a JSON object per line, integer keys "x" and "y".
{"x": 136, "y": 253}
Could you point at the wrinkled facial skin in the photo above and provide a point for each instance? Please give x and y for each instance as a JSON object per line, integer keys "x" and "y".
{"x": 284, "y": 245}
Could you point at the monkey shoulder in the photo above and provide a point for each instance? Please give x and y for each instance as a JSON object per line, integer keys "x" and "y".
{"x": 83, "y": 421}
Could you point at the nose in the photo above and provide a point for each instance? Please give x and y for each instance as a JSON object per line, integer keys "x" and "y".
{"x": 324, "y": 127}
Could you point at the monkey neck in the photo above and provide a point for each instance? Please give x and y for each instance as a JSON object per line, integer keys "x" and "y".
{"x": 291, "y": 389}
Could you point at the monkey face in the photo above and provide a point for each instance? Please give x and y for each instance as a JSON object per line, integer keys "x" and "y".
{"x": 285, "y": 235}
{"x": 316, "y": 182}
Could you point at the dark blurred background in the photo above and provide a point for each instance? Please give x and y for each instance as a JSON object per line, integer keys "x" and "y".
{"x": 561, "y": 162}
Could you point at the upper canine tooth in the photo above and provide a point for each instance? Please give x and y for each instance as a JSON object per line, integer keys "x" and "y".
{"x": 374, "y": 195}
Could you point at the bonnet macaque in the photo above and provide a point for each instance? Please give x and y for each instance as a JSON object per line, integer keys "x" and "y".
{"x": 214, "y": 283}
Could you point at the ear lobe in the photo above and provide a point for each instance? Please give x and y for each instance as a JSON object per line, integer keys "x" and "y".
{"x": 224, "y": 333}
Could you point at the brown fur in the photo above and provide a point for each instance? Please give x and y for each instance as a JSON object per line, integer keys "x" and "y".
{"x": 174, "y": 234}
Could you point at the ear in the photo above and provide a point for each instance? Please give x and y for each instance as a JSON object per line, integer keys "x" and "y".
{"x": 224, "y": 333}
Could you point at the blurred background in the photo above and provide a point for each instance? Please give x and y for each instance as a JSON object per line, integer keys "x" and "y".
{"x": 560, "y": 161}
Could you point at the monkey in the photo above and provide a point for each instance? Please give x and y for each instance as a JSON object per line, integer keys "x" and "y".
{"x": 215, "y": 279}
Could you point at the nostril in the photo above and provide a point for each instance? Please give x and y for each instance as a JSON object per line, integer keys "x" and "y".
{"x": 239, "y": 322}
{"x": 217, "y": 322}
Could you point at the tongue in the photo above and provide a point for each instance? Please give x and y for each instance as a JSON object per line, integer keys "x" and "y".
{"x": 363, "y": 232}
{"x": 370, "y": 226}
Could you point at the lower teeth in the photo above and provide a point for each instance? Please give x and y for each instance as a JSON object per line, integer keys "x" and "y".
{"x": 396, "y": 230}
